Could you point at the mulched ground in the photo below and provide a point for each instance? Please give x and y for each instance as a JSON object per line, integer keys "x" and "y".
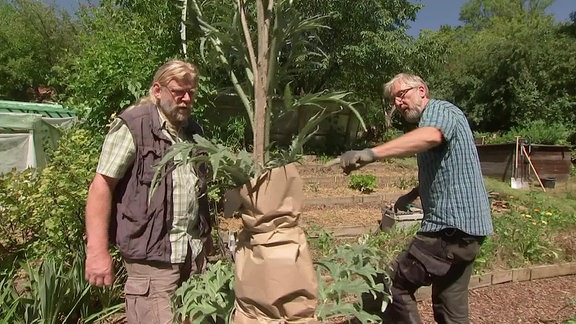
{"x": 551, "y": 300}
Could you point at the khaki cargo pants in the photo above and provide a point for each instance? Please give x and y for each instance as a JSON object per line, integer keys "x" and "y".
{"x": 150, "y": 286}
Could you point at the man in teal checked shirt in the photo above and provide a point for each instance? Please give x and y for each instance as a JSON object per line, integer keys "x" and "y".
{"x": 454, "y": 200}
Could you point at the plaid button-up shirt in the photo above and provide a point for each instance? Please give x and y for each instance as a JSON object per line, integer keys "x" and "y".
{"x": 451, "y": 186}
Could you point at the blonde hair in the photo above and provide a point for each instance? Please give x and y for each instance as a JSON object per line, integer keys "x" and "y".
{"x": 410, "y": 80}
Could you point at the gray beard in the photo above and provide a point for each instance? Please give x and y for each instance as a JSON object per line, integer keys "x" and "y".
{"x": 412, "y": 116}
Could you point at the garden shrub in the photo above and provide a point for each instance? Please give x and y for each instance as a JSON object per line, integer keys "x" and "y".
{"x": 209, "y": 297}
{"x": 536, "y": 132}
{"x": 16, "y": 216}
{"x": 55, "y": 291}
{"x": 352, "y": 269}
{"x": 404, "y": 183}
{"x": 43, "y": 210}
{"x": 365, "y": 183}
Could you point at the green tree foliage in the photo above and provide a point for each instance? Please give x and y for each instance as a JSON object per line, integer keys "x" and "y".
{"x": 34, "y": 37}
{"x": 570, "y": 27}
{"x": 364, "y": 45}
{"x": 360, "y": 38}
{"x": 478, "y": 13}
{"x": 122, "y": 46}
{"x": 511, "y": 71}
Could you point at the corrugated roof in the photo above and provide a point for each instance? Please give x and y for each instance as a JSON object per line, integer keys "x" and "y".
{"x": 46, "y": 110}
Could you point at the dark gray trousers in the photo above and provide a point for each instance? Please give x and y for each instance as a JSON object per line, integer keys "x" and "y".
{"x": 444, "y": 260}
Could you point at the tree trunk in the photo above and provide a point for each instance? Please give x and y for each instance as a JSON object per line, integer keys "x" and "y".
{"x": 264, "y": 12}
{"x": 183, "y": 28}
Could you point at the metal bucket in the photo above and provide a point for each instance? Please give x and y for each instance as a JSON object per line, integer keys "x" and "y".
{"x": 548, "y": 182}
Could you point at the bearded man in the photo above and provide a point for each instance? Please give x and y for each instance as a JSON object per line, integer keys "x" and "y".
{"x": 161, "y": 230}
{"x": 454, "y": 201}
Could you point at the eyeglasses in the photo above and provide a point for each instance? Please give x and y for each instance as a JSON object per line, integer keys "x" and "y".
{"x": 180, "y": 93}
{"x": 402, "y": 93}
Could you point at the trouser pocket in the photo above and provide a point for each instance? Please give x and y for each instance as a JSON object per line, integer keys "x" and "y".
{"x": 411, "y": 272}
{"x": 461, "y": 247}
{"x": 137, "y": 286}
{"x": 431, "y": 252}
{"x": 136, "y": 290}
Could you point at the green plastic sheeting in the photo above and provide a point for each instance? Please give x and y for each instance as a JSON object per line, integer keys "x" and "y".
{"x": 27, "y": 130}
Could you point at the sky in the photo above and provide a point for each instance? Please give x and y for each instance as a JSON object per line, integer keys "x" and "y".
{"x": 436, "y": 13}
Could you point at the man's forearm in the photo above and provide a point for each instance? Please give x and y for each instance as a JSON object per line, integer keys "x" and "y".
{"x": 418, "y": 140}
{"x": 98, "y": 208}
{"x": 415, "y": 193}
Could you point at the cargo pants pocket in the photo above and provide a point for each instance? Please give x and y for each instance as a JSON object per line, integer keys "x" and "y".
{"x": 136, "y": 290}
{"x": 431, "y": 252}
{"x": 411, "y": 273}
{"x": 463, "y": 250}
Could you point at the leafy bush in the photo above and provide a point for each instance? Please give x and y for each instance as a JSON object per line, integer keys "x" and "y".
{"x": 207, "y": 297}
{"x": 54, "y": 291}
{"x": 365, "y": 183}
{"x": 16, "y": 216}
{"x": 351, "y": 272}
{"x": 536, "y": 132}
{"x": 406, "y": 183}
{"x": 43, "y": 210}
{"x": 322, "y": 242}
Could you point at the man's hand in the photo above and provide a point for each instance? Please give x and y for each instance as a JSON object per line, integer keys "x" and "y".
{"x": 99, "y": 268}
{"x": 405, "y": 200}
{"x": 353, "y": 160}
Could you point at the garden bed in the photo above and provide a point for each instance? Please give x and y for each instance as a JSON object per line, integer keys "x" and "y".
{"x": 332, "y": 207}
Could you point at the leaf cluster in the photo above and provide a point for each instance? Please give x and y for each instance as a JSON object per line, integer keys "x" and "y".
{"x": 352, "y": 269}
{"x": 365, "y": 183}
{"x": 43, "y": 210}
{"x": 208, "y": 297}
{"x": 236, "y": 168}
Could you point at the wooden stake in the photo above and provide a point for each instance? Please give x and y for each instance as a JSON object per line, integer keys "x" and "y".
{"x": 533, "y": 168}
{"x": 516, "y": 157}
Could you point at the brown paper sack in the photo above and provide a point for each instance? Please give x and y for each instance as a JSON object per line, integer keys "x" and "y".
{"x": 275, "y": 280}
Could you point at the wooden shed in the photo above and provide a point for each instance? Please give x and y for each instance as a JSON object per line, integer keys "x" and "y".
{"x": 550, "y": 161}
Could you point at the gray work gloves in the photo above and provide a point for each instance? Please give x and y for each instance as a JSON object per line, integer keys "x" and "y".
{"x": 353, "y": 160}
{"x": 404, "y": 201}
